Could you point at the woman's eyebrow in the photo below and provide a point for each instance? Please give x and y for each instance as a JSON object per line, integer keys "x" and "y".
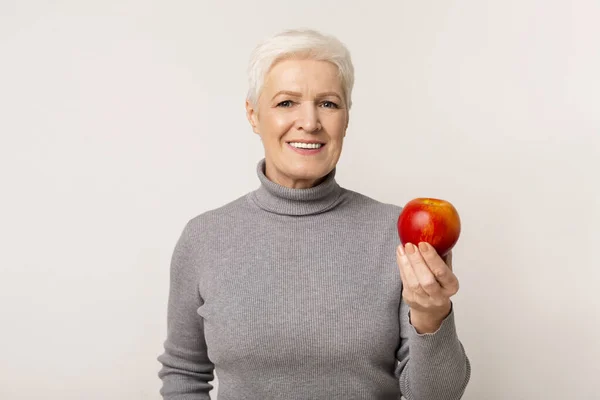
{"x": 298, "y": 94}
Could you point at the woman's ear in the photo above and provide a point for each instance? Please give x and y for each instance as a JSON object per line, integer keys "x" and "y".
{"x": 347, "y": 123}
{"x": 252, "y": 116}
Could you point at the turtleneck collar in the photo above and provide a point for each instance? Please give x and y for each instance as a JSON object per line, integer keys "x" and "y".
{"x": 273, "y": 197}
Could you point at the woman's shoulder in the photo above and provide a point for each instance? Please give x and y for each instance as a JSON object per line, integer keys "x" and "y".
{"x": 371, "y": 205}
{"x": 216, "y": 218}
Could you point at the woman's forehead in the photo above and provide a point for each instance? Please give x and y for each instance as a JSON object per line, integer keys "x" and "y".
{"x": 302, "y": 75}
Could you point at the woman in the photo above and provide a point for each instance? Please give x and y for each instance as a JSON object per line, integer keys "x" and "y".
{"x": 300, "y": 289}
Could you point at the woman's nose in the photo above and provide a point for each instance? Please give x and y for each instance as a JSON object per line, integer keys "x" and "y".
{"x": 308, "y": 120}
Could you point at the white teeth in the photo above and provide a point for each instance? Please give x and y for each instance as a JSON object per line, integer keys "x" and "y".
{"x": 306, "y": 145}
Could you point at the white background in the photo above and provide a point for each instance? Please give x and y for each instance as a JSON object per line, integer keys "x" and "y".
{"x": 121, "y": 120}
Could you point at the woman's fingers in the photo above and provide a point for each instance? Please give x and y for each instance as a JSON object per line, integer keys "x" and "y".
{"x": 440, "y": 269}
{"x": 407, "y": 274}
{"x": 420, "y": 268}
{"x": 422, "y": 271}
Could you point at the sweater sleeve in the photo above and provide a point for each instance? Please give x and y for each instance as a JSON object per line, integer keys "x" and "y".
{"x": 432, "y": 366}
{"x": 186, "y": 369}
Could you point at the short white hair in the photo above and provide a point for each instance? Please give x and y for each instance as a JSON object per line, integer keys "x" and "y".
{"x": 301, "y": 44}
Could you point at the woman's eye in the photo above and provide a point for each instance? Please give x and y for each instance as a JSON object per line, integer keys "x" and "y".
{"x": 329, "y": 104}
{"x": 285, "y": 103}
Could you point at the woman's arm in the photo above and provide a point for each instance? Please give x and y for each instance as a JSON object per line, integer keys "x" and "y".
{"x": 432, "y": 361}
{"x": 186, "y": 369}
{"x": 434, "y": 365}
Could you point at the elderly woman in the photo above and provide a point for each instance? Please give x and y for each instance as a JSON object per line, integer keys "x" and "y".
{"x": 300, "y": 288}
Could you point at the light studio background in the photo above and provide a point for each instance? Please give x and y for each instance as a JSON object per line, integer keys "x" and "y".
{"x": 121, "y": 120}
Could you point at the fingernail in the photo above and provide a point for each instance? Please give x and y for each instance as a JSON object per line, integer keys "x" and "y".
{"x": 423, "y": 247}
{"x": 401, "y": 250}
{"x": 410, "y": 249}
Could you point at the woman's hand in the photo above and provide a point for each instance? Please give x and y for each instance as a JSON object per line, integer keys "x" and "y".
{"x": 427, "y": 285}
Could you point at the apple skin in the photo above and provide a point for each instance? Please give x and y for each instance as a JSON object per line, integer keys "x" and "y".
{"x": 430, "y": 220}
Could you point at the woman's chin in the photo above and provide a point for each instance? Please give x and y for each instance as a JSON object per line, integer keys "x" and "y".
{"x": 301, "y": 173}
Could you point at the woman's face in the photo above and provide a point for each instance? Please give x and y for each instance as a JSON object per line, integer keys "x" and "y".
{"x": 301, "y": 101}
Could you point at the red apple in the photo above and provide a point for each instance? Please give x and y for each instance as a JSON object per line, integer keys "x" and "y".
{"x": 429, "y": 220}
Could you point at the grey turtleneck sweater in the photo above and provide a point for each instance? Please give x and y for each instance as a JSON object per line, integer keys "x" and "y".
{"x": 295, "y": 294}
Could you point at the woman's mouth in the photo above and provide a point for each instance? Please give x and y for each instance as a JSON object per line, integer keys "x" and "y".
{"x": 306, "y": 148}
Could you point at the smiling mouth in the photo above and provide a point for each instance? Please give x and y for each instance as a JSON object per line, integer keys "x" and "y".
{"x": 306, "y": 146}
